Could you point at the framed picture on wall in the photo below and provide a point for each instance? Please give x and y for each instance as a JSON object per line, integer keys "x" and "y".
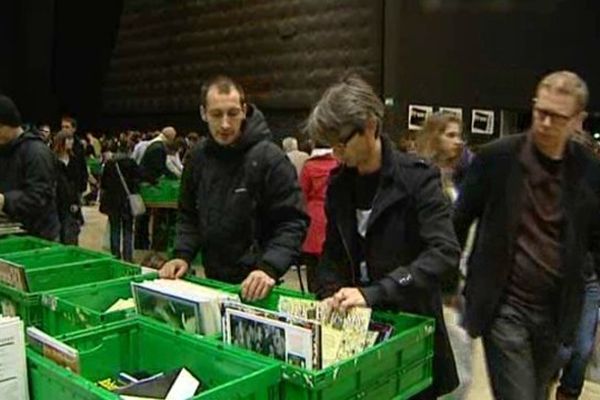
{"x": 452, "y": 110}
{"x": 417, "y": 116}
{"x": 482, "y": 121}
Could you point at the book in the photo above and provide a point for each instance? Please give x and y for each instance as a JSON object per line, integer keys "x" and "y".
{"x": 178, "y": 384}
{"x": 181, "y": 304}
{"x": 53, "y": 349}
{"x": 293, "y": 340}
{"x": 343, "y": 335}
{"x": 13, "y": 362}
{"x": 13, "y": 275}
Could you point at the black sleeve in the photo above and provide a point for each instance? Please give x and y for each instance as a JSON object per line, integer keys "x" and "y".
{"x": 471, "y": 200}
{"x": 187, "y": 238}
{"x": 441, "y": 252}
{"x": 80, "y": 165}
{"x": 39, "y": 186}
{"x": 283, "y": 216}
{"x": 328, "y": 281}
{"x": 153, "y": 162}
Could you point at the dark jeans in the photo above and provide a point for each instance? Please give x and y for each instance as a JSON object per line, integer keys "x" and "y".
{"x": 571, "y": 381}
{"x": 522, "y": 354}
{"x": 142, "y": 232}
{"x": 121, "y": 227}
{"x": 70, "y": 226}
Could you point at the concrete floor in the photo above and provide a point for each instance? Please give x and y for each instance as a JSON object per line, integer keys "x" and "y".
{"x": 93, "y": 237}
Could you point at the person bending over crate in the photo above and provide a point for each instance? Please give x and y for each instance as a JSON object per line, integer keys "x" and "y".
{"x": 240, "y": 202}
{"x": 389, "y": 234}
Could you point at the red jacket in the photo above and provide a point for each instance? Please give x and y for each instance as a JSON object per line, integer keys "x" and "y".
{"x": 314, "y": 179}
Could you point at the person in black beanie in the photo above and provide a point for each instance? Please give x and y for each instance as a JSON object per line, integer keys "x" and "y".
{"x": 27, "y": 175}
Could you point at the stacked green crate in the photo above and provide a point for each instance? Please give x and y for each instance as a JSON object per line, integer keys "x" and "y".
{"x": 165, "y": 191}
{"x": 85, "y": 306}
{"x": 19, "y": 244}
{"x": 56, "y": 268}
{"x": 395, "y": 369}
{"x": 140, "y": 344}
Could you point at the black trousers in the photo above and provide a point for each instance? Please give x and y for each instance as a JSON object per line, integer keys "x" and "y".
{"x": 523, "y": 354}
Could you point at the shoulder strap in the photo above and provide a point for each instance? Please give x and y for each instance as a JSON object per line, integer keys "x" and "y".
{"x": 122, "y": 179}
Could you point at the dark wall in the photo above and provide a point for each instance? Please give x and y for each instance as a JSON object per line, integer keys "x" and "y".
{"x": 55, "y": 54}
{"x": 284, "y": 53}
{"x": 485, "y": 54}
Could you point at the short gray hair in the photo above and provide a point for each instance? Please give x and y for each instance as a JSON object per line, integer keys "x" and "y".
{"x": 289, "y": 144}
{"x": 344, "y": 108}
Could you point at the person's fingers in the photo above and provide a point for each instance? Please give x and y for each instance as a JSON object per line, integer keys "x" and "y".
{"x": 257, "y": 284}
{"x": 347, "y": 303}
{"x": 165, "y": 272}
{"x": 180, "y": 270}
{"x": 245, "y": 288}
{"x": 264, "y": 290}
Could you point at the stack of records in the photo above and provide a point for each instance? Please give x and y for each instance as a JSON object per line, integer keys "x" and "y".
{"x": 181, "y": 304}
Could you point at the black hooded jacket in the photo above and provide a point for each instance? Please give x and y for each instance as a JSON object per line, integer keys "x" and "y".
{"x": 28, "y": 183}
{"x": 241, "y": 206}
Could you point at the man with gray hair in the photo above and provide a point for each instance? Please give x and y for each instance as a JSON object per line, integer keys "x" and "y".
{"x": 297, "y": 157}
{"x": 389, "y": 233}
{"x": 153, "y": 161}
{"x": 536, "y": 197}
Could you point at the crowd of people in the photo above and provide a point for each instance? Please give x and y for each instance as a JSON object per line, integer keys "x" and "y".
{"x": 508, "y": 239}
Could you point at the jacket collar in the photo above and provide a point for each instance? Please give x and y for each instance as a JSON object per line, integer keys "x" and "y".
{"x": 391, "y": 188}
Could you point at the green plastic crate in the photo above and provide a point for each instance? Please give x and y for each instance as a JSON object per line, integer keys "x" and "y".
{"x": 396, "y": 369}
{"x": 52, "y": 256}
{"x": 141, "y": 344}
{"x": 95, "y": 165}
{"x": 85, "y": 306}
{"x": 82, "y": 307}
{"x": 20, "y": 244}
{"x": 28, "y": 304}
{"x": 165, "y": 191}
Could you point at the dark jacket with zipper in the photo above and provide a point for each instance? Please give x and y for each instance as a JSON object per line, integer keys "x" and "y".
{"x": 492, "y": 193}
{"x": 28, "y": 182}
{"x": 410, "y": 244}
{"x": 241, "y": 206}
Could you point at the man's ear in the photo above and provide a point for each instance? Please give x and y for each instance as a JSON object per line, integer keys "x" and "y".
{"x": 244, "y": 109}
{"x": 203, "y": 113}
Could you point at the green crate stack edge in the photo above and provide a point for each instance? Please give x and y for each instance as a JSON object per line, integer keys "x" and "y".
{"x": 27, "y": 305}
{"x": 81, "y": 307}
{"x": 143, "y": 344}
{"x": 166, "y": 190}
{"x": 21, "y": 244}
{"x": 396, "y": 369}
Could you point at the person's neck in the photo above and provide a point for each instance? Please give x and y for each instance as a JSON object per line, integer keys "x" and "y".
{"x": 552, "y": 152}
{"x": 373, "y": 162}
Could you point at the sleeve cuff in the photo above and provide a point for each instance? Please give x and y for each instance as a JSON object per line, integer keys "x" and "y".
{"x": 379, "y": 293}
{"x": 267, "y": 269}
{"x": 184, "y": 255}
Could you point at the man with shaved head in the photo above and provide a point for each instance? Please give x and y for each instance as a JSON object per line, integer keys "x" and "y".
{"x": 240, "y": 202}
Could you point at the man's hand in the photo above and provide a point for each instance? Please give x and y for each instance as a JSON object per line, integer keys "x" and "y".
{"x": 1, "y": 201}
{"x": 346, "y": 298}
{"x": 174, "y": 269}
{"x": 257, "y": 285}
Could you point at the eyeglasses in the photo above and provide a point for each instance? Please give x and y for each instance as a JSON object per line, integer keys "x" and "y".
{"x": 345, "y": 139}
{"x": 555, "y": 118}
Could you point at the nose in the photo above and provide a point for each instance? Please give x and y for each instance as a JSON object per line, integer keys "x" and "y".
{"x": 547, "y": 120}
{"x": 225, "y": 122}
